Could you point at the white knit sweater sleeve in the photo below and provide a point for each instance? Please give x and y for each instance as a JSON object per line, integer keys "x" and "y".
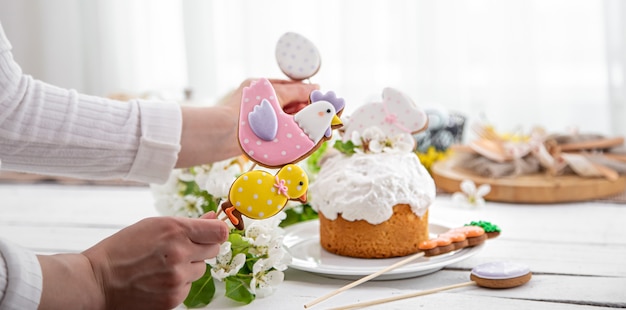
{"x": 21, "y": 280}
{"x": 49, "y": 130}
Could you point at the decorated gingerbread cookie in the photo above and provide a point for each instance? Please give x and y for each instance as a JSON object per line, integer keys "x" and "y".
{"x": 395, "y": 114}
{"x": 297, "y": 57}
{"x": 272, "y": 138}
{"x": 469, "y": 235}
{"x": 491, "y": 230}
{"x": 258, "y": 194}
{"x": 501, "y": 274}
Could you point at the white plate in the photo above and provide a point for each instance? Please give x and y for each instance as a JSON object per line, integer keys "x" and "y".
{"x": 302, "y": 242}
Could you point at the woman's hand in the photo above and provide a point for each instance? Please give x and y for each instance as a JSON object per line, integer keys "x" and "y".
{"x": 210, "y": 133}
{"x": 148, "y": 265}
{"x": 291, "y": 94}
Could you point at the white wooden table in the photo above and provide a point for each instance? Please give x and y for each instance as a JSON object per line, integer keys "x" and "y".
{"x": 577, "y": 251}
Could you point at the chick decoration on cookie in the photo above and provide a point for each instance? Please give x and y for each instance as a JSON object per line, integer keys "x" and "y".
{"x": 272, "y": 138}
{"x": 258, "y": 194}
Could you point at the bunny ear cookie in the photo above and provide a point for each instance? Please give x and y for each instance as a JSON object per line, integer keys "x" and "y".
{"x": 297, "y": 56}
{"x": 396, "y": 114}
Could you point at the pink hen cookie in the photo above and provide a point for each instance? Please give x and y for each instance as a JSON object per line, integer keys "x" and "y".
{"x": 272, "y": 138}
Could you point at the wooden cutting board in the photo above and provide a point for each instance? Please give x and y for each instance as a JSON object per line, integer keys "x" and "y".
{"x": 536, "y": 188}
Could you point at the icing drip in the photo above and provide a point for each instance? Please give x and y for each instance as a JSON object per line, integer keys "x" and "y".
{"x": 367, "y": 186}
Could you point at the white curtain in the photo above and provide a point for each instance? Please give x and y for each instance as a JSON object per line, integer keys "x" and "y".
{"x": 515, "y": 63}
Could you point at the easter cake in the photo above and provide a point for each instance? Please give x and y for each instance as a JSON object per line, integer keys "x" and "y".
{"x": 373, "y": 197}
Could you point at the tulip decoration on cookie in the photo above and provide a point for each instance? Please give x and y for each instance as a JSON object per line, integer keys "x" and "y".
{"x": 258, "y": 194}
{"x": 272, "y": 138}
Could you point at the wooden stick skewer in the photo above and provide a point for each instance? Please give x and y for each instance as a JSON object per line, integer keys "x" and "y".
{"x": 498, "y": 275}
{"x": 366, "y": 278}
{"x": 405, "y": 296}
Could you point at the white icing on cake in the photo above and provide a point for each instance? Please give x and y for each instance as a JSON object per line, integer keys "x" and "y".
{"x": 368, "y": 186}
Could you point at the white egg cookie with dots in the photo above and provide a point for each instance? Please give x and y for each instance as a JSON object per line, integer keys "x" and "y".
{"x": 297, "y": 56}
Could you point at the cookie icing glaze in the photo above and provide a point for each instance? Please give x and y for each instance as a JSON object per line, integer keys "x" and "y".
{"x": 395, "y": 114}
{"x": 367, "y": 186}
{"x": 258, "y": 194}
{"x": 273, "y": 138}
{"x": 297, "y": 56}
{"x": 500, "y": 270}
{"x": 314, "y": 120}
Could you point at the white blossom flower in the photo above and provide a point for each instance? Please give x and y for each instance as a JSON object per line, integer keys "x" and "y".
{"x": 224, "y": 264}
{"x": 281, "y": 258}
{"x": 169, "y": 200}
{"x": 375, "y": 139}
{"x": 264, "y": 234}
{"x": 221, "y": 175}
{"x": 201, "y": 173}
{"x": 185, "y": 175}
{"x": 377, "y": 142}
{"x": 402, "y": 143}
{"x": 355, "y": 137}
{"x": 264, "y": 278}
{"x": 470, "y": 194}
{"x": 373, "y": 133}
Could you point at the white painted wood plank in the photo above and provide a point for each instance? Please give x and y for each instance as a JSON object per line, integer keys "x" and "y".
{"x": 556, "y": 258}
{"x": 587, "y": 222}
{"x": 125, "y": 205}
{"x": 541, "y": 257}
{"x": 543, "y": 292}
{"x": 56, "y": 239}
{"x": 577, "y": 251}
{"x": 557, "y": 288}
{"x": 53, "y": 203}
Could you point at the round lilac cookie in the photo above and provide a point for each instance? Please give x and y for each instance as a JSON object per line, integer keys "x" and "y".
{"x": 297, "y": 56}
{"x": 500, "y": 274}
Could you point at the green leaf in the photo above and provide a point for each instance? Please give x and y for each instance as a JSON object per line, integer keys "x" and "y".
{"x": 313, "y": 162}
{"x": 299, "y": 214}
{"x": 210, "y": 202}
{"x": 237, "y": 290}
{"x": 249, "y": 265}
{"x": 202, "y": 291}
{"x": 293, "y": 217}
{"x": 190, "y": 188}
{"x": 345, "y": 147}
{"x": 238, "y": 245}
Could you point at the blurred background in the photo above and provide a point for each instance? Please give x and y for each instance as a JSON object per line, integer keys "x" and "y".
{"x": 559, "y": 64}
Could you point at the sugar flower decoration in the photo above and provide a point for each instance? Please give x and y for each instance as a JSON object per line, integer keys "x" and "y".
{"x": 470, "y": 195}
